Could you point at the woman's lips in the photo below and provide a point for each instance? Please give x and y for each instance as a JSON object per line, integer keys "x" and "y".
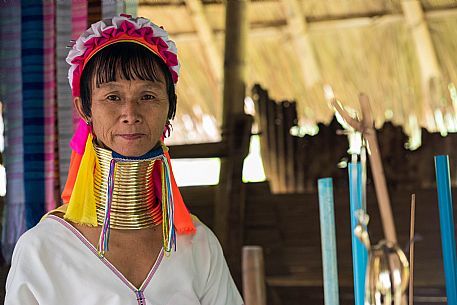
{"x": 131, "y": 136}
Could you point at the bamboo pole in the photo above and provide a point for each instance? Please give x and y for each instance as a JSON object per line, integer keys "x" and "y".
{"x": 366, "y": 127}
{"x": 411, "y": 249}
{"x": 359, "y": 250}
{"x": 254, "y": 291}
{"x": 236, "y": 35}
{"x": 233, "y": 105}
{"x": 236, "y": 130}
{"x": 443, "y": 183}
{"x": 328, "y": 241}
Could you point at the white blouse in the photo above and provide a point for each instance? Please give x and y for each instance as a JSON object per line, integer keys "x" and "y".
{"x": 54, "y": 264}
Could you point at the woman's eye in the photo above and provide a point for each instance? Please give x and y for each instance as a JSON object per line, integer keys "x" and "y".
{"x": 148, "y": 97}
{"x": 113, "y": 97}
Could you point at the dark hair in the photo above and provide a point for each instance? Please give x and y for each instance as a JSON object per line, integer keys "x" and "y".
{"x": 128, "y": 61}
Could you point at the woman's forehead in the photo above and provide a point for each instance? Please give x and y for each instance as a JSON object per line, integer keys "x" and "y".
{"x": 134, "y": 84}
{"x": 131, "y": 83}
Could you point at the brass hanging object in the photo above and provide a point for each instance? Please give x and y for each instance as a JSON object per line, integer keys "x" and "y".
{"x": 387, "y": 274}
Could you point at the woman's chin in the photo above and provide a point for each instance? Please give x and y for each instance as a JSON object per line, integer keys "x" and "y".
{"x": 127, "y": 149}
{"x": 131, "y": 152}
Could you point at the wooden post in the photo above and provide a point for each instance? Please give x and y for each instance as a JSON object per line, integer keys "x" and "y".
{"x": 254, "y": 291}
{"x": 260, "y": 97}
{"x": 280, "y": 136}
{"x": 290, "y": 119}
{"x": 272, "y": 142}
{"x": 265, "y": 109}
{"x": 230, "y": 196}
{"x": 236, "y": 130}
{"x": 411, "y": 249}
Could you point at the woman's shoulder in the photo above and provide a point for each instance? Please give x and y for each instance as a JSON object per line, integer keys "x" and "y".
{"x": 203, "y": 243}
{"x": 46, "y": 233}
{"x": 203, "y": 232}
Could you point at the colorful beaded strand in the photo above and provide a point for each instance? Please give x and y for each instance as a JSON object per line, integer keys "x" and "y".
{"x": 103, "y": 243}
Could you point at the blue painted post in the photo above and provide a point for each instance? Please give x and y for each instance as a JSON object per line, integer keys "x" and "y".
{"x": 359, "y": 252}
{"x": 443, "y": 183}
{"x": 328, "y": 241}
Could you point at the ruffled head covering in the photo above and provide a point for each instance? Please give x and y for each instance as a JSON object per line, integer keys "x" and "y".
{"x": 77, "y": 192}
{"x": 121, "y": 28}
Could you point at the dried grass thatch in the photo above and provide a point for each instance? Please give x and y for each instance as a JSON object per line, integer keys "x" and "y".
{"x": 359, "y": 45}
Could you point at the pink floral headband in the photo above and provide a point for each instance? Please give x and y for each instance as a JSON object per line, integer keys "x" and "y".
{"x": 120, "y": 29}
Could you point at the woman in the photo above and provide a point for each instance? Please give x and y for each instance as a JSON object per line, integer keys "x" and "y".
{"x": 123, "y": 235}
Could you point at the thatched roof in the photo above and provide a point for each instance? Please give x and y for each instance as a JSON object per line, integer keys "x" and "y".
{"x": 298, "y": 47}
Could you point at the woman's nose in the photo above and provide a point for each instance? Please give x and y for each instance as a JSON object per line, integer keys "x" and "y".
{"x": 132, "y": 113}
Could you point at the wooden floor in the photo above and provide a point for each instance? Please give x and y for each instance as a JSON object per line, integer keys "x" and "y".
{"x": 307, "y": 295}
{"x": 315, "y": 296}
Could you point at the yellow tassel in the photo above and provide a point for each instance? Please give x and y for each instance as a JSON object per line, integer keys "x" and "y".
{"x": 81, "y": 208}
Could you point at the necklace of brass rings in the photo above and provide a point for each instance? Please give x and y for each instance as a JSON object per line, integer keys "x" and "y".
{"x": 134, "y": 204}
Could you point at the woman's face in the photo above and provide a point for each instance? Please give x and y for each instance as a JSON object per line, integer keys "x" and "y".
{"x": 129, "y": 116}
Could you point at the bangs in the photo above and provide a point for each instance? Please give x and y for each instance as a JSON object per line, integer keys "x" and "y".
{"x": 127, "y": 61}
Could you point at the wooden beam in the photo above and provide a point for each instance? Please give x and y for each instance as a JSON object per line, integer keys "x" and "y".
{"x": 264, "y": 31}
{"x": 180, "y": 3}
{"x": 206, "y": 36}
{"x": 201, "y": 150}
{"x": 302, "y": 281}
{"x": 208, "y": 44}
{"x": 428, "y": 61}
{"x": 449, "y": 12}
{"x": 303, "y": 46}
{"x": 280, "y": 27}
{"x": 160, "y": 3}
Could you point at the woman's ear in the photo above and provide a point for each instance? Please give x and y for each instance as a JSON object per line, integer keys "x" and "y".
{"x": 77, "y": 102}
